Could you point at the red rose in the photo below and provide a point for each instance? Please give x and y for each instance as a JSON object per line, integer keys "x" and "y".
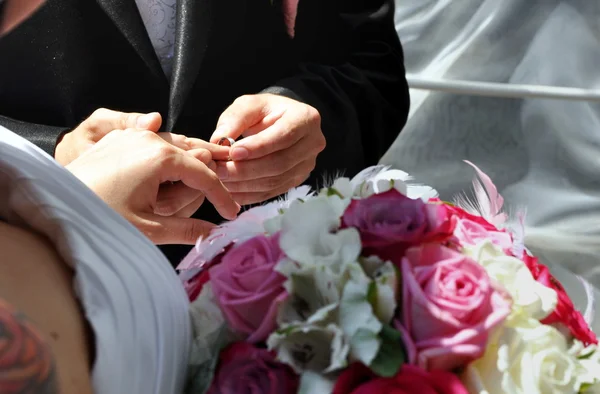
{"x": 358, "y": 379}
{"x": 244, "y": 368}
{"x": 565, "y": 312}
{"x": 193, "y": 287}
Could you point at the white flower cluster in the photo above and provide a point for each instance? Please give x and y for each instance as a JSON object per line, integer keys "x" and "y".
{"x": 525, "y": 356}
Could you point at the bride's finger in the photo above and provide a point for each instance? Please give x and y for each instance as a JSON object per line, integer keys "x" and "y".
{"x": 198, "y": 176}
{"x": 171, "y": 230}
{"x": 191, "y": 208}
{"x": 218, "y": 152}
{"x": 177, "y": 140}
{"x": 172, "y": 198}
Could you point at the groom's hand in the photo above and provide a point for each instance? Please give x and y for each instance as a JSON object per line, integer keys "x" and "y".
{"x": 149, "y": 181}
{"x": 282, "y": 140}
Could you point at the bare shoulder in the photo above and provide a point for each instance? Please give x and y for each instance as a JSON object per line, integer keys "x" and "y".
{"x": 52, "y": 346}
{"x": 26, "y": 361}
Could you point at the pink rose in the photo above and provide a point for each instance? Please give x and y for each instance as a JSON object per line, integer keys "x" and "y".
{"x": 472, "y": 233}
{"x": 449, "y": 306}
{"x": 471, "y": 229}
{"x": 244, "y": 368}
{"x": 565, "y": 312}
{"x": 389, "y": 223}
{"x": 358, "y": 379}
{"x": 247, "y": 287}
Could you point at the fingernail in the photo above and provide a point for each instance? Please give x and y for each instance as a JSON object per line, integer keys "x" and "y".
{"x": 222, "y": 172}
{"x": 143, "y": 122}
{"x": 212, "y": 165}
{"x": 239, "y": 153}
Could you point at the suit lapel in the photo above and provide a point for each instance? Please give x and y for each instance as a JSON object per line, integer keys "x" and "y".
{"x": 126, "y": 17}
{"x": 195, "y": 21}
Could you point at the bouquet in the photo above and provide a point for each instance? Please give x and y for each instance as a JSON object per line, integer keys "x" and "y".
{"x": 375, "y": 285}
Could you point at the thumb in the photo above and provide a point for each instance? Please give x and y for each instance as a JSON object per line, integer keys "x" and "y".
{"x": 175, "y": 230}
{"x": 151, "y": 121}
{"x": 244, "y": 113}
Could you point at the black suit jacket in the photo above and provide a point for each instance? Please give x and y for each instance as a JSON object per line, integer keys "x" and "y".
{"x": 74, "y": 56}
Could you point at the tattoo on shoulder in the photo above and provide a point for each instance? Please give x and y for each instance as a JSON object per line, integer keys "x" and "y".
{"x": 26, "y": 362}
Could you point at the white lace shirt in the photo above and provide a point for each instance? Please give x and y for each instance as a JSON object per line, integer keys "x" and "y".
{"x": 160, "y": 19}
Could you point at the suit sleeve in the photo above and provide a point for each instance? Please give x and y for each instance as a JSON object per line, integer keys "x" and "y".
{"x": 362, "y": 95}
{"x": 45, "y": 137}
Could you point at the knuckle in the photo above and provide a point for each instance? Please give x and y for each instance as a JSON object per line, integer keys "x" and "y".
{"x": 145, "y": 135}
{"x": 184, "y": 141}
{"x": 245, "y": 100}
{"x": 321, "y": 142}
{"x": 128, "y": 120}
{"x": 101, "y": 113}
{"x": 204, "y": 156}
{"x": 313, "y": 115}
{"x": 163, "y": 152}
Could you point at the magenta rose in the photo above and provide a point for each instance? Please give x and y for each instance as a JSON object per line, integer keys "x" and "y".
{"x": 244, "y": 368}
{"x": 358, "y": 379}
{"x": 449, "y": 306}
{"x": 389, "y": 223}
{"x": 247, "y": 287}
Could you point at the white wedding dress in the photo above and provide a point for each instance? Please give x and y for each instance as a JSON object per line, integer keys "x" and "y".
{"x": 542, "y": 154}
{"x": 132, "y": 297}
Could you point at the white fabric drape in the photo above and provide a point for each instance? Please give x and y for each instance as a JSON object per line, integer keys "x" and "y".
{"x": 542, "y": 154}
{"x": 131, "y": 296}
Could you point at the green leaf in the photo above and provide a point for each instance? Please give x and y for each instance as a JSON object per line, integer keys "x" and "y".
{"x": 586, "y": 355}
{"x": 332, "y": 192}
{"x": 585, "y": 387}
{"x": 200, "y": 375}
{"x": 372, "y": 294}
{"x": 391, "y": 354}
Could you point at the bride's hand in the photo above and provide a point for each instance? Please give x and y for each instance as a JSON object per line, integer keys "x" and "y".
{"x": 132, "y": 172}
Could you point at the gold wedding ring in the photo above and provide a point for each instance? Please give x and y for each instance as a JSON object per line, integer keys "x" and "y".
{"x": 228, "y": 140}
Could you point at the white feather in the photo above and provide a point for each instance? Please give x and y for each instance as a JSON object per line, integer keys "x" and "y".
{"x": 488, "y": 202}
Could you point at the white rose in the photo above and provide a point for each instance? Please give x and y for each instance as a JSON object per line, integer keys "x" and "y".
{"x": 589, "y": 358}
{"x": 525, "y": 357}
{"x": 537, "y": 300}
